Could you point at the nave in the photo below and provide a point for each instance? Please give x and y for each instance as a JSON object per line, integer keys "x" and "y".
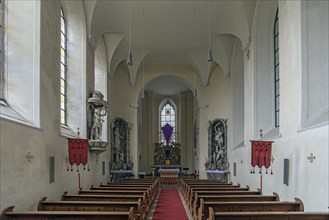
{"x": 63, "y": 66}
{"x": 172, "y": 198}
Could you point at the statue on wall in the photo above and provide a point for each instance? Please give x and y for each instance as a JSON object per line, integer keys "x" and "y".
{"x": 96, "y": 129}
{"x": 97, "y": 110}
{"x": 120, "y": 144}
{"x": 217, "y": 150}
{"x": 118, "y": 149}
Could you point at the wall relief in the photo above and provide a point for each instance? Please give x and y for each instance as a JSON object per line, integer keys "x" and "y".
{"x": 217, "y": 145}
{"x": 120, "y": 144}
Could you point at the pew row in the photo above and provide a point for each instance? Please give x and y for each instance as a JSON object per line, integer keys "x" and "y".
{"x": 267, "y": 215}
{"x": 231, "y": 198}
{"x": 191, "y": 198}
{"x": 9, "y": 214}
{"x": 188, "y": 193}
{"x": 247, "y": 206}
{"x": 113, "y": 197}
{"x": 149, "y": 196}
{"x": 101, "y": 206}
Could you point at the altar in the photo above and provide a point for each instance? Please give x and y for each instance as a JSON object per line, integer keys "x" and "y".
{"x": 169, "y": 172}
{"x": 167, "y": 158}
{"x": 121, "y": 174}
{"x": 220, "y": 175}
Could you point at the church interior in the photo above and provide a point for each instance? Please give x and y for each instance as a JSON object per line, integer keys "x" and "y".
{"x": 164, "y": 92}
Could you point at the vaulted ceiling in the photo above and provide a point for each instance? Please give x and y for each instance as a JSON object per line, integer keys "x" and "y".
{"x": 172, "y": 31}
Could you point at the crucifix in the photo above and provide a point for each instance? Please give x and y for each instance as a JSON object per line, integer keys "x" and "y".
{"x": 261, "y": 133}
{"x": 311, "y": 157}
{"x": 78, "y": 131}
{"x": 29, "y": 156}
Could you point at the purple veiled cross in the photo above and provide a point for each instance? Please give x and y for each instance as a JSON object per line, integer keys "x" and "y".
{"x": 167, "y": 132}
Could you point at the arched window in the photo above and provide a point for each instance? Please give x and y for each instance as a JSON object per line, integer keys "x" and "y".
{"x": 101, "y": 77}
{"x": 2, "y": 84}
{"x": 20, "y": 61}
{"x": 63, "y": 70}
{"x": 72, "y": 69}
{"x": 276, "y": 71}
{"x": 266, "y": 64}
{"x": 168, "y": 115}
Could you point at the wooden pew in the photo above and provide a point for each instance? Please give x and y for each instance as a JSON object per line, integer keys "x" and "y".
{"x": 184, "y": 183}
{"x": 191, "y": 197}
{"x": 102, "y": 206}
{"x": 185, "y": 189}
{"x": 267, "y": 215}
{"x": 112, "y": 197}
{"x": 253, "y": 206}
{"x": 149, "y": 195}
{"x": 189, "y": 190}
{"x": 150, "y": 190}
{"x": 9, "y": 214}
{"x": 231, "y": 198}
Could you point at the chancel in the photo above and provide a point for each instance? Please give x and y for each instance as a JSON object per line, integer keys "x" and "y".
{"x": 164, "y": 109}
{"x": 167, "y": 158}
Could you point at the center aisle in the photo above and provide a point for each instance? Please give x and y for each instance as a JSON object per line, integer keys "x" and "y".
{"x": 169, "y": 206}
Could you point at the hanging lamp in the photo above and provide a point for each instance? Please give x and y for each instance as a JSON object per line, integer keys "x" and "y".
{"x": 130, "y": 56}
{"x": 143, "y": 91}
{"x": 209, "y": 50}
{"x": 195, "y": 53}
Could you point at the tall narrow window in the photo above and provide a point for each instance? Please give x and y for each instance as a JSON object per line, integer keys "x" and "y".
{"x": 63, "y": 70}
{"x": 2, "y": 77}
{"x": 168, "y": 115}
{"x": 276, "y": 71}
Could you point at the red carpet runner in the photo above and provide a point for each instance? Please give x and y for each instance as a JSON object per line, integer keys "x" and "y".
{"x": 169, "y": 206}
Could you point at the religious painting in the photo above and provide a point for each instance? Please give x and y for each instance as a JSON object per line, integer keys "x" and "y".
{"x": 217, "y": 145}
{"x": 120, "y": 144}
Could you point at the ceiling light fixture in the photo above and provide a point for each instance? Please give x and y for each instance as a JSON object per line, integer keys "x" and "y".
{"x": 143, "y": 91}
{"x": 209, "y": 50}
{"x": 195, "y": 55}
{"x": 130, "y": 56}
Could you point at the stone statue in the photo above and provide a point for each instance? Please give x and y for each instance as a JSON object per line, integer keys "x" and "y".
{"x": 219, "y": 144}
{"x": 96, "y": 129}
{"x": 117, "y": 146}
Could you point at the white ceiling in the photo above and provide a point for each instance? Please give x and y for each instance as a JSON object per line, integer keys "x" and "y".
{"x": 172, "y": 31}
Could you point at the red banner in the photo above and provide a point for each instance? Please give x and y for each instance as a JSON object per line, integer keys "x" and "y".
{"x": 78, "y": 151}
{"x": 261, "y": 153}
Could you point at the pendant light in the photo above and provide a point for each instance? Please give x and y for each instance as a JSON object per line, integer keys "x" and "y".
{"x": 209, "y": 50}
{"x": 195, "y": 55}
{"x": 143, "y": 91}
{"x": 130, "y": 56}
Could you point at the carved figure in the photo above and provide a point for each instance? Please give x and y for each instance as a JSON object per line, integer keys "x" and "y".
{"x": 219, "y": 144}
{"x": 96, "y": 129}
{"x": 117, "y": 146}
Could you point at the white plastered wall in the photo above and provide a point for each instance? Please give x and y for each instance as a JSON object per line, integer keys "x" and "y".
{"x": 307, "y": 181}
{"x": 23, "y": 183}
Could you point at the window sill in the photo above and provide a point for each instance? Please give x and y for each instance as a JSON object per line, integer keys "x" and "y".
{"x": 67, "y": 132}
{"x": 273, "y": 134}
{"x": 8, "y": 113}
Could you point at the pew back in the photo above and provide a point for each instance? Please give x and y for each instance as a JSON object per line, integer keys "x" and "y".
{"x": 9, "y": 214}
{"x": 267, "y": 215}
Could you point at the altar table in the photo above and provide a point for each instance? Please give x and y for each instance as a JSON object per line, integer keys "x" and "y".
{"x": 168, "y": 172}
